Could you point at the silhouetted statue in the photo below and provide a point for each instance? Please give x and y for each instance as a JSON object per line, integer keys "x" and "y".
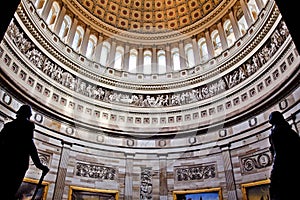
{"x": 285, "y": 148}
{"x": 16, "y": 147}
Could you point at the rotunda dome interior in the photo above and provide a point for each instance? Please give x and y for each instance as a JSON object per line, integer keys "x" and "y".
{"x": 151, "y": 92}
{"x": 169, "y": 63}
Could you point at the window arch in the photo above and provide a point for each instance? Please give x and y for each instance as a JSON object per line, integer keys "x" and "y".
{"x": 147, "y": 61}
{"x": 39, "y": 4}
{"x": 216, "y": 42}
{"x": 242, "y": 22}
{"x": 175, "y": 57}
{"x": 52, "y": 16}
{"x": 104, "y": 53}
{"x": 133, "y": 56}
{"x": 118, "y": 62}
{"x": 243, "y": 25}
{"x": 253, "y": 9}
{"x": 78, "y": 38}
{"x": 189, "y": 54}
{"x": 91, "y": 46}
{"x": 229, "y": 33}
{"x": 203, "y": 49}
{"x": 162, "y": 62}
{"x": 65, "y": 27}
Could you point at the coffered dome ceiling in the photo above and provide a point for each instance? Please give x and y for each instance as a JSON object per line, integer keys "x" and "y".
{"x": 150, "y": 16}
{"x": 220, "y": 92}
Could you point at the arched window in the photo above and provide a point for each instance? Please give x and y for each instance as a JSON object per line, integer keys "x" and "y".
{"x": 78, "y": 38}
{"x": 39, "y": 4}
{"x": 162, "y": 62}
{"x": 216, "y": 42}
{"x": 91, "y": 46}
{"x": 118, "y": 62}
{"x": 241, "y": 22}
{"x": 229, "y": 33}
{"x": 133, "y": 56}
{"x": 243, "y": 25}
{"x": 203, "y": 49}
{"x": 147, "y": 61}
{"x": 104, "y": 53}
{"x": 175, "y": 57}
{"x": 189, "y": 54}
{"x": 253, "y": 9}
{"x": 52, "y": 16}
{"x": 65, "y": 27}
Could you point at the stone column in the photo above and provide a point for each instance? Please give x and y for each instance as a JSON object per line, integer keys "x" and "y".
{"x": 112, "y": 53}
{"x": 72, "y": 32}
{"x": 210, "y": 48}
{"x": 163, "y": 179}
{"x": 196, "y": 50}
{"x": 126, "y": 57}
{"x": 235, "y": 27}
{"x": 59, "y": 20}
{"x": 168, "y": 59}
{"x": 247, "y": 13}
{"x": 128, "y": 194}
{"x": 46, "y": 10}
{"x": 260, "y": 4}
{"x": 62, "y": 171}
{"x": 222, "y": 35}
{"x": 97, "y": 54}
{"x": 182, "y": 55}
{"x": 140, "y": 61}
{"x": 84, "y": 44}
{"x": 229, "y": 174}
{"x": 154, "y": 69}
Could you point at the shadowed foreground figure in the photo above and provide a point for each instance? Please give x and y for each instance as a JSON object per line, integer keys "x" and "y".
{"x": 285, "y": 148}
{"x": 16, "y": 146}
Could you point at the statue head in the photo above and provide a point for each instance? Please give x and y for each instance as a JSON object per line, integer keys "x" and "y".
{"x": 24, "y": 111}
{"x": 276, "y": 118}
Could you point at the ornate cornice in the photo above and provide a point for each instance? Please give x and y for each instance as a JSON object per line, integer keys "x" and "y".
{"x": 195, "y": 79}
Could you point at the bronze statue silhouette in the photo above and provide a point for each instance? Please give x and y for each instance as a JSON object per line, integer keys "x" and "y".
{"x": 285, "y": 149}
{"x": 16, "y": 148}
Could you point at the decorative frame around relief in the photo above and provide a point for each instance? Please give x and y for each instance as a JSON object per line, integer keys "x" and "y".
{"x": 92, "y": 193}
{"x": 204, "y": 194}
{"x": 258, "y": 190}
{"x": 28, "y": 187}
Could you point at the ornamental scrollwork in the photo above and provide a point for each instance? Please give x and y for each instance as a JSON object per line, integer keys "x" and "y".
{"x": 95, "y": 171}
{"x": 193, "y": 173}
{"x": 251, "y": 163}
{"x": 146, "y": 186}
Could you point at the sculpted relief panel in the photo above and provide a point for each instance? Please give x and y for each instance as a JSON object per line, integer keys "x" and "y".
{"x": 193, "y": 95}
